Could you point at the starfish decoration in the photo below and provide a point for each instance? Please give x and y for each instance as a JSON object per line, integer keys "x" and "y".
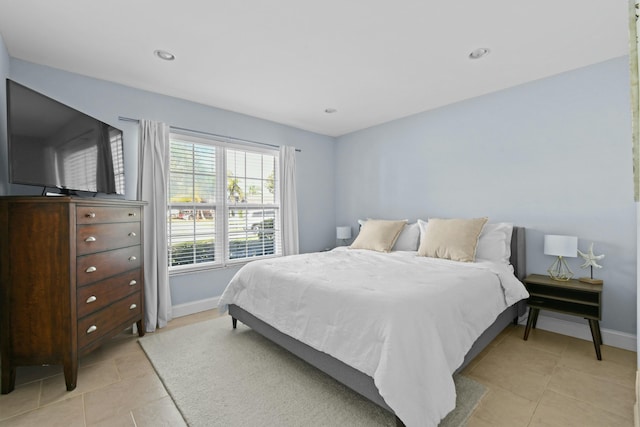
{"x": 590, "y": 259}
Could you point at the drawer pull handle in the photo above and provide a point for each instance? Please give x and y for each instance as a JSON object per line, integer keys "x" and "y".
{"x": 91, "y": 269}
{"x": 91, "y": 299}
{"x": 91, "y": 215}
{"x": 132, "y": 258}
{"x": 90, "y": 239}
{"x": 132, "y": 306}
{"x": 132, "y": 214}
{"x": 132, "y": 234}
{"x": 133, "y": 282}
{"x": 92, "y": 329}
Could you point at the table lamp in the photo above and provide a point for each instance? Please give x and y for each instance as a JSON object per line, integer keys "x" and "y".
{"x": 560, "y": 246}
{"x": 343, "y": 233}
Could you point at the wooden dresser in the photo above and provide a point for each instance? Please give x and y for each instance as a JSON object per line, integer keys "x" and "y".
{"x": 71, "y": 277}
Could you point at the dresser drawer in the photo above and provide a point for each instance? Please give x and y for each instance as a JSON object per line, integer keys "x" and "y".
{"x": 103, "y": 322}
{"x": 103, "y": 214}
{"x": 95, "y": 297}
{"x": 92, "y": 238}
{"x": 95, "y": 267}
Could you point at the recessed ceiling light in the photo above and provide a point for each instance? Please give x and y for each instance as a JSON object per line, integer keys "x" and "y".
{"x": 479, "y": 53}
{"x": 163, "y": 54}
{"x": 330, "y": 110}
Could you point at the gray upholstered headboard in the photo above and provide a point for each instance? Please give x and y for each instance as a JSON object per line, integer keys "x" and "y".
{"x": 519, "y": 252}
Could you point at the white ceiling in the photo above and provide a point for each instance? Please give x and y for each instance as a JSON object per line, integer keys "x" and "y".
{"x": 289, "y": 60}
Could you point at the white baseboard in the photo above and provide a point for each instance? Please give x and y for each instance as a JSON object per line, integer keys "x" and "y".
{"x": 581, "y": 330}
{"x": 194, "y": 307}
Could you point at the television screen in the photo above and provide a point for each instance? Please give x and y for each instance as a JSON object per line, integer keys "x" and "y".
{"x": 54, "y": 145}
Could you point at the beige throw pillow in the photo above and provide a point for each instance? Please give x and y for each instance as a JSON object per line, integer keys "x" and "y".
{"x": 454, "y": 239}
{"x": 378, "y": 235}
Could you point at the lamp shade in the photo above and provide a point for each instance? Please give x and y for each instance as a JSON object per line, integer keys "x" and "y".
{"x": 565, "y": 246}
{"x": 343, "y": 232}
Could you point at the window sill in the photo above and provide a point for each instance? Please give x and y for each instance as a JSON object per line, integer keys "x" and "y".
{"x": 192, "y": 269}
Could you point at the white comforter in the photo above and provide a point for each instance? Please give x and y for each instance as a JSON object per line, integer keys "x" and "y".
{"x": 406, "y": 321}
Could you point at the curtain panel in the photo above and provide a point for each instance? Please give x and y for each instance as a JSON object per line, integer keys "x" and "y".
{"x": 153, "y": 169}
{"x": 289, "y": 201}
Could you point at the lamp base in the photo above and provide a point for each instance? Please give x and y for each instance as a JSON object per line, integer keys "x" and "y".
{"x": 560, "y": 271}
{"x": 591, "y": 281}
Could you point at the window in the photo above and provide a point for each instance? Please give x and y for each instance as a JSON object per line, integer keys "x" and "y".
{"x": 223, "y": 203}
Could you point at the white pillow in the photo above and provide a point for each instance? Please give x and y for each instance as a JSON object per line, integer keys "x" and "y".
{"x": 494, "y": 243}
{"x": 409, "y": 237}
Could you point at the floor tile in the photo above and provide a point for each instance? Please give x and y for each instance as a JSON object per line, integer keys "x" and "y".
{"x": 583, "y": 348}
{"x": 556, "y": 410}
{"x": 132, "y": 364}
{"x": 162, "y": 412}
{"x": 544, "y": 340}
{"x": 594, "y": 391}
{"x": 515, "y": 352}
{"x": 604, "y": 369}
{"x": 500, "y": 407}
{"x": 122, "y": 397}
{"x": 90, "y": 377}
{"x": 517, "y": 379}
{"x": 22, "y": 399}
{"x": 124, "y": 419}
{"x": 66, "y": 413}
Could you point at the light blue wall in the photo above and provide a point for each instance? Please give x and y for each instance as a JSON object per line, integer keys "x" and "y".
{"x": 553, "y": 155}
{"x": 107, "y": 101}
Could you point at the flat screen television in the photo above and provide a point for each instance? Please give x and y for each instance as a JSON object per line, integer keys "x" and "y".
{"x": 52, "y": 145}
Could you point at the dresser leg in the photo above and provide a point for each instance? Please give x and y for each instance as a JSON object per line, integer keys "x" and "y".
{"x": 8, "y": 378}
{"x": 140, "y": 326}
{"x": 595, "y": 334}
{"x": 234, "y": 322}
{"x": 71, "y": 374}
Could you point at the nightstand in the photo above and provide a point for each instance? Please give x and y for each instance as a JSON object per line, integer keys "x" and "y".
{"x": 570, "y": 297}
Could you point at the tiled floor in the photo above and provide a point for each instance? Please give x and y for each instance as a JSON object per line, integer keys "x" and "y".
{"x": 549, "y": 380}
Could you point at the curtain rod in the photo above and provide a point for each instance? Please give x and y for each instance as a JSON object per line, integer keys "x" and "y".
{"x": 128, "y": 119}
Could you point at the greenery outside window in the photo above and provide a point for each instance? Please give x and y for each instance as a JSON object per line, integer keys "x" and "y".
{"x": 223, "y": 203}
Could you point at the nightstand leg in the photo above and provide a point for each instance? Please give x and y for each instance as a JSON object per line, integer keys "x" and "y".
{"x": 595, "y": 334}
{"x": 533, "y": 314}
{"x": 535, "y": 318}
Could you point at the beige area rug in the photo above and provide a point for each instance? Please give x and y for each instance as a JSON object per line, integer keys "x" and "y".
{"x": 218, "y": 376}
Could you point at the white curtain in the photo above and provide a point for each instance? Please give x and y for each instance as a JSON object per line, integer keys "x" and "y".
{"x": 288, "y": 201}
{"x": 153, "y": 169}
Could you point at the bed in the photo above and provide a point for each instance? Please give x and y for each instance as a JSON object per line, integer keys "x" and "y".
{"x": 376, "y": 348}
